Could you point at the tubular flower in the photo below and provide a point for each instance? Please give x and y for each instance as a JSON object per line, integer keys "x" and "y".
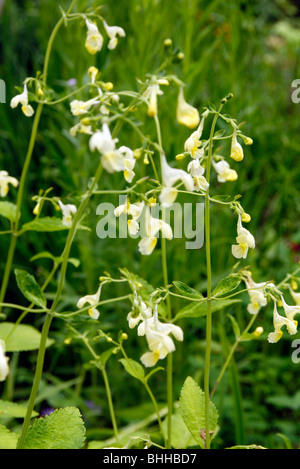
{"x": 113, "y": 32}
{"x": 94, "y": 38}
{"x": 290, "y": 311}
{"x": 170, "y": 176}
{"x": 134, "y": 210}
{"x": 5, "y": 180}
{"x": 82, "y": 107}
{"x": 197, "y": 171}
{"x": 245, "y": 241}
{"x": 151, "y": 93}
{"x": 295, "y": 295}
{"x": 193, "y": 143}
{"x": 153, "y": 226}
{"x": 236, "y": 153}
{"x": 112, "y": 158}
{"x": 139, "y": 312}
{"x": 157, "y": 336}
{"x": 279, "y": 322}
{"x": 129, "y": 163}
{"x": 225, "y": 173}
{"x": 23, "y": 100}
{"x": 257, "y": 296}
{"x": 93, "y": 301}
{"x": 67, "y": 211}
{"x": 4, "y": 368}
{"x": 186, "y": 114}
{"x": 82, "y": 129}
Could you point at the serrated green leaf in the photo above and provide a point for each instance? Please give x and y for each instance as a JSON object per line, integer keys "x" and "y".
{"x": 21, "y": 337}
{"x": 227, "y": 285}
{"x": 63, "y": 429}
{"x": 133, "y": 368}
{"x": 8, "y": 210}
{"x": 192, "y": 409}
{"x": 8, "y": 439}
{"x": 186, "y": 290}
{"x": 30, "y": 288}
{"x": 12, "y": 409}
{"x": 197, "y": 310}
{"x": 181, "y": 437}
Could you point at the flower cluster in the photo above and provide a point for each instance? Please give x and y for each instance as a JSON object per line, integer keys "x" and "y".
{"x": 259, "y": 294}
{"x": 156, "y": 332}
{"x": 94, "y": 39}
{"x": 113, "y": 159}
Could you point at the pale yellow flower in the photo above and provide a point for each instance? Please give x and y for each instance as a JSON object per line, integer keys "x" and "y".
{"x": 5, "y": 180}
{"x": 186, "y": 114}
{"x": 4, "y": 368}
{"x": 93, "y": 301}
{"x": 225, "y": 173}
{"x": 170, "y": 176}
{"x": 23, "y": 100}
{"x": 82, "y": 107}
{"x": 153, "y": 226}
{"x": 113, "y": 32}
{"x": 94, "y": 38}
{"x": 279, "y": 322}
{"x": 236, "y": 152}
{"x": 245, "y": 241}
{"x": 158, "y": 338}
{"x": 67, "y": 211}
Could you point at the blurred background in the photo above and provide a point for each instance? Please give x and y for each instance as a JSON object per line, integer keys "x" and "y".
{"x": 248, "y": 48}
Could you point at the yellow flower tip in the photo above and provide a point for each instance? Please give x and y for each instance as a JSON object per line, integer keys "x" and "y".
{"x": 93, "y": 72}
{"x": 27, "y": 110}
{"x": 124, "y": 336}
{"x": 294, "y": 285}
{"x": 274, "y": 337}
{"x": 137, "y": 153}
{"x": 246, "y": 217}
{"x": 180, "y": 157}
{"x": 108, "y": 86}
{"x": 180, "y": 56}
{"x": 168, "y": 42}
{"x": 186, "y": 114}
{"x": 247, "y": 140}
{"x": 146, "y": 159}
{"x": 279, "y": 302}
{"x": 85, "y": 121}
{"x": 236, "y": 153}
{"x": 68, "y": 341}
{"x": 152, "y": 201}
{"x": 296, "y": 323}
{"x": 258, "y": 331}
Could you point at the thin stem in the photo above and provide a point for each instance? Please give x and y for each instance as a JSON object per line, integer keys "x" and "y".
{"x": 209, "y": 283}
{"x": 110, "y": 403}
{"x": 230, "y": 355}
{"x": 169, "y": 308}
{"x": 13, "y": 242}
{"x": 49, "y": 317}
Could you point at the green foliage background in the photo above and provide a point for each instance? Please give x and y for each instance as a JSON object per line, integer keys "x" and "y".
{"x": 248, "y": 48}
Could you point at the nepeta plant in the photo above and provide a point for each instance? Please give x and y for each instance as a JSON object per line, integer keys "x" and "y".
{"x": 151, "y": 314}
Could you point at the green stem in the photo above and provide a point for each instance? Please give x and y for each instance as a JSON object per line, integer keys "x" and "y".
{"x": 230, "y": 355}
{"x": 110, "y": 403}
{"x": 49, "y": 317}
{"x": 169, "y": 309}
{"x": 13, "y": 242}
{"x": 209, "y": 282}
